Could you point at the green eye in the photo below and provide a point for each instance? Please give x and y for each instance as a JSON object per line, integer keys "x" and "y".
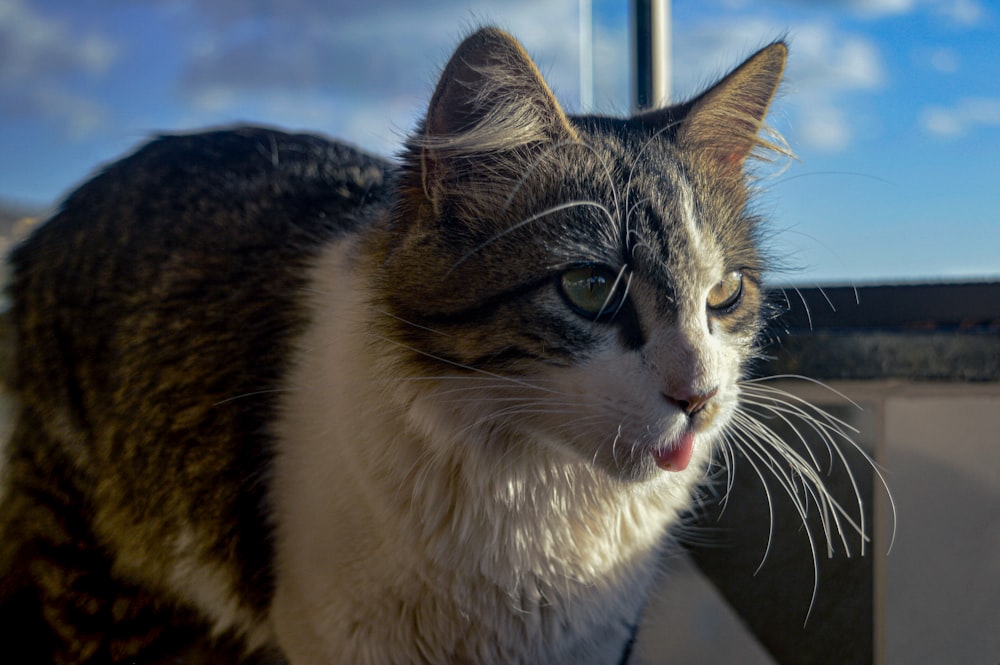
{"x": 592, "y": 291}
{"x": 727, "y": 292}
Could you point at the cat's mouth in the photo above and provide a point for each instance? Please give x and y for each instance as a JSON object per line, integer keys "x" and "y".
{"x": 677, "y": 455}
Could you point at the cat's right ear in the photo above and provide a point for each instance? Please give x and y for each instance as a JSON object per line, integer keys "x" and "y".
{"x": 490, "y": 104}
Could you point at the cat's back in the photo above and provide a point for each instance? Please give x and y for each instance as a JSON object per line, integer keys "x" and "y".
{"x": 240, "y": 191}
{"x": 202, "y": 234}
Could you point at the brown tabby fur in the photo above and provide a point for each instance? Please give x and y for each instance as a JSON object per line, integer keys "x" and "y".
{"x": 155, "y": 313}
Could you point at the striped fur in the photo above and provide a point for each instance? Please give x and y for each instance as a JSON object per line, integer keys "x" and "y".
{"x": 283, "y": 401}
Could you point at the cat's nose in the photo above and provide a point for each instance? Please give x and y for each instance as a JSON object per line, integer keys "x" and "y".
{"x": 692, "y": 403}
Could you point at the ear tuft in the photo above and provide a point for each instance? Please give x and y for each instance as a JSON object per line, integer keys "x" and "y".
{"x": 722, "y": 125}
{"x": 491, "y": 90}
{"x": 491, "y": 109}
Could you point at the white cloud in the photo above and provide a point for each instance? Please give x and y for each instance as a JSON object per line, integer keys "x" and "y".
{"x": 868, "y": 7}
{"x": 961, "y": 12}
{"x": 39, "y": 58}
{"x": 945, "y": 61}
{"x": 829, "y": 59}
{"x": 705, "y": 52}
{"x": 880, "y": 8}
{"x": 827, "y": 66}
{"x": 33, "y": 45}
{"x": 824, "y": 127}
{"x": 964, "y": 117}
{"x": 395, "y": 45}
{"x": 347, "y": 70}
{"x": 363, "y": 59}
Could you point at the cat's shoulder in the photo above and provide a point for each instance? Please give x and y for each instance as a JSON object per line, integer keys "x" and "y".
{"x": 239, "y": 157}
{"x": 221, "y": 189}
{"x": 249, "y": 150}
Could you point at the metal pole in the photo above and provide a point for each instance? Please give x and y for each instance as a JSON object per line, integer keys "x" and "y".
{"x": 650, "y": 54}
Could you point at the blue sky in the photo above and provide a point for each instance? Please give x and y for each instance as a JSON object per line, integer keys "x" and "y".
{"x": 892, "y": 106}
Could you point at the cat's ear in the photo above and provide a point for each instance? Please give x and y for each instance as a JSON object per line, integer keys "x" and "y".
{"x": 722, "y": 125}
{"x": 491, "y": 101}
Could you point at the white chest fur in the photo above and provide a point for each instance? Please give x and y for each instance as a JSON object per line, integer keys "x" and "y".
{"x": 402, "y": 538}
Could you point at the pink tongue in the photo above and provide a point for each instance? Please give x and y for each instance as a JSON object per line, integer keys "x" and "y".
{"x": 677, "y": 456}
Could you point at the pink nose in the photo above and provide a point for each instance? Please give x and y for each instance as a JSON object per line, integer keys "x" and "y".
{"x": 692, "y": 404}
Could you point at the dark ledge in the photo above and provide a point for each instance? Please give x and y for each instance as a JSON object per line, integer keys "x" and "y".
{"x": 921, "y": 332}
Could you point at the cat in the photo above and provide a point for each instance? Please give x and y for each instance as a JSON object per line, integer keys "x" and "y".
{"x": 278, "y": 400}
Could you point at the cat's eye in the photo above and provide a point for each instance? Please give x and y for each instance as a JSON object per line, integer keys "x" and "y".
{"x": 593, "y": 291}
{"x": 726, "y": 293}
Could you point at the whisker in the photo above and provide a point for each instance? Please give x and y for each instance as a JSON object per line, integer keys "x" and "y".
{"x": 797, "y": 472}
{"x": 832, "y": 449}
{"x": 469, "y": 368}
{"x": 805, "y": 305}
{"x": 783, "y": 476}
{"x": 761, "y": 381}
{"x": 752, "y": 450}
{"x": 410, "y": 323}
{"x": 829, "y": 508}
{"x": 825, "y": 431}
{"x": 612, "y": 291}
{"x": 255, "y": 393}
{"x": 537, "y": 162}
{"x": 533, "y": 218}
{"x": 635, "y": 160}
{"x": 534, "y": 166}
{"x": 770, "y": 509}
{"x": 838, "y": 428}
{"x": 729, "y": 467}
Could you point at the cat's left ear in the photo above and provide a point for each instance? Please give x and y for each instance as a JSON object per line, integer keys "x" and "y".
{"x": 721, "y": 126}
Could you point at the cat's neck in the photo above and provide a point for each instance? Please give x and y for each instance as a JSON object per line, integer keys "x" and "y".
{"x": 496, "y": 484}
{"x": 376, "y": 487}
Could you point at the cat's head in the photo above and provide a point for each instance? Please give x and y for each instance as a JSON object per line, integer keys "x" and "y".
{"x": 587, "y": 285}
